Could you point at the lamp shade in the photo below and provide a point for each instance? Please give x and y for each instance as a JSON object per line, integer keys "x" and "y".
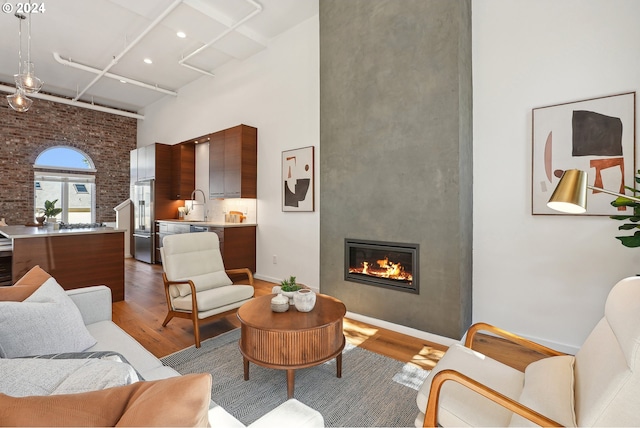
{"x": 19, "y": 101}
{"x": 27, "y": 80}
{"x": 571, "y": 194}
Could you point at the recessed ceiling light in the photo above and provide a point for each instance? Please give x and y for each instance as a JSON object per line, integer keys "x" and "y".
{"x": 181, "y": 34}
{"x": 148, "y": 61}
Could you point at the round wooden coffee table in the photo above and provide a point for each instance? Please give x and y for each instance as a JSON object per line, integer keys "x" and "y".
{"x": 291, "y": 340}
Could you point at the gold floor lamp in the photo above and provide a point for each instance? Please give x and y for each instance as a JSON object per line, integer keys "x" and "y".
{"x": 570, "y": 195}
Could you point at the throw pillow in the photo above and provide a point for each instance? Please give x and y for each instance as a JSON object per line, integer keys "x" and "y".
{"x": 176, "y": 401}
{"x": 548, "y": 389}
{"x": 46, "y": 322}
{"x": 25, "y": 286}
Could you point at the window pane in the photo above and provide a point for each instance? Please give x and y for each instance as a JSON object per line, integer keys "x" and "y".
{"x": 49, "y": 191}
{"x": 79, "y": 202}
{"x": 64, "y": 157}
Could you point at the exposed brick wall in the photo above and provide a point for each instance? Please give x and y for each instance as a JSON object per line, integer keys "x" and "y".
{"x": 106, "y": 138}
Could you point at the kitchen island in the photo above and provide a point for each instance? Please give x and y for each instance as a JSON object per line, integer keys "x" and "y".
{"x": 74, "y": 257}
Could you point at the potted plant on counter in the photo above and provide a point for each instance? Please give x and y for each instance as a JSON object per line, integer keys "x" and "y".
{"x": 50, "y": 210}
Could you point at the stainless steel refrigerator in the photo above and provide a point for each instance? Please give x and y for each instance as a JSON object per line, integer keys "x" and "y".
{"x": 143, "y": 219}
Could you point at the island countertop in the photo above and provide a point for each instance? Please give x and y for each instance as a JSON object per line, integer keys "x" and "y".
{"x": 13, "y": 232}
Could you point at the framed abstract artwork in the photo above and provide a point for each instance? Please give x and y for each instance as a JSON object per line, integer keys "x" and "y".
{"x": 595, "y": 135}
{"x": 298, "y": 180}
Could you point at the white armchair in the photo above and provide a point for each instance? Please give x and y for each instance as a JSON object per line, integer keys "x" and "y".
{"x": 600, "y": 386}
{"x": 194, "y": 277}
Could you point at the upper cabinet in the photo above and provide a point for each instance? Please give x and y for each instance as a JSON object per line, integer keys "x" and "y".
{"x": 183, "y": 170}
{"x": 233, "y": 163}
{"x": 142, "y": 164}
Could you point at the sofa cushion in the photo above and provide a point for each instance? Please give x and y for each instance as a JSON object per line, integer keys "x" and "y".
{"x": 177, "y": 401}
{"x": 27, "y": 376}
{"x": 25, "y": 286}
{"x": 110, "y": 337}
{"x": 549, "y": 390}
{"x": 46, "y": 322}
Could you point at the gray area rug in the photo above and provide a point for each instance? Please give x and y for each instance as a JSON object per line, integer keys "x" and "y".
{"x": 374, "y": 391}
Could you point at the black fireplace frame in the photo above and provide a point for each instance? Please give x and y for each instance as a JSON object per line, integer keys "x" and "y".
{"x": 413, "y": 249}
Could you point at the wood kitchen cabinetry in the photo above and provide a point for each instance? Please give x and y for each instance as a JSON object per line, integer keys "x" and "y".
{"x": 238, "y": 246}
{"x": 183, "y": 170}
{"x": 233, "y": 160}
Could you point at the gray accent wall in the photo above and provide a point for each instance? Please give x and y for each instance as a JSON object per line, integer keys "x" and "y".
{"x": 396, "y": 152}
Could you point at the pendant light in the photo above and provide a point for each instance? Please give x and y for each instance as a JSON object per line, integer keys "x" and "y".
{"x": 19, "y": 101}
{"x": 26, "y": 78}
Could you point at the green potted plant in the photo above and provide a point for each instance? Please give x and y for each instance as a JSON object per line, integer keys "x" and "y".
{"x": 631, "y": 221}
{"x": 288, "y": 287}
{"x": 50, "y": 210}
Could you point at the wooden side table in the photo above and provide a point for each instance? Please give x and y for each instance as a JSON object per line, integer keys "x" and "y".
{"x": 291, "y": 340}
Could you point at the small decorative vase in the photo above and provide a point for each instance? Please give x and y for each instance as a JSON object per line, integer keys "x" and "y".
{"x": 279, "y": 304}
{"x": 290, "y": 295}
{"x": 304, "y": 300}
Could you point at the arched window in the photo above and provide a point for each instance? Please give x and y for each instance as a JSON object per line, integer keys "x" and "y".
{"x": 67, "y": 175}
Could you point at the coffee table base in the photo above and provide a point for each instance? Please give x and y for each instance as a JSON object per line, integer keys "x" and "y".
{"x": 291, "y": 372}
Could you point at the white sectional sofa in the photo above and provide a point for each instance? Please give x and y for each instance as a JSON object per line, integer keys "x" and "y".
{"x": 90, "y": 371}
{"x": 95, "y": 306}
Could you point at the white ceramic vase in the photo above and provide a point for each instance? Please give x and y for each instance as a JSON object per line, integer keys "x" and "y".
{"x": 304, "y": 300}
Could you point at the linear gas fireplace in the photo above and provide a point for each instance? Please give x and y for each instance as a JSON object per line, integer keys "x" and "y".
{"x": 383, "y": 264}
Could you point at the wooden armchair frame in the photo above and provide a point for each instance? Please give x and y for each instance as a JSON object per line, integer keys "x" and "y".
{"x": 431, "y": 413}
{"x": 193, "y": 314}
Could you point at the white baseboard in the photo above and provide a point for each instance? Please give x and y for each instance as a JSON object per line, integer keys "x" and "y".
{"x": 442, "y": 340}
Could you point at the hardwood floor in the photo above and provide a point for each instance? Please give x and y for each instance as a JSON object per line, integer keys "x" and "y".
{"x": 142, "y": 312}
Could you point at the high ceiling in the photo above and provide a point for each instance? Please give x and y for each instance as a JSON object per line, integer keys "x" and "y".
{"x": 86, "y": 47}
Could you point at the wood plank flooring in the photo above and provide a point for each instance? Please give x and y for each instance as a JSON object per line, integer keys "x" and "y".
{"x": 142, "y": 312}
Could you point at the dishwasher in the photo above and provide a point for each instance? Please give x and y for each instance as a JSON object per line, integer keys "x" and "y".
{"x": 193, "y": 229}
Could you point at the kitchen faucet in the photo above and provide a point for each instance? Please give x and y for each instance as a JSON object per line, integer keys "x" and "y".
{"x": 205, "y": 201}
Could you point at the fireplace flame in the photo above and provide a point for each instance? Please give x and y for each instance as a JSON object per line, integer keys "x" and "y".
{"x": 385, "y": 269}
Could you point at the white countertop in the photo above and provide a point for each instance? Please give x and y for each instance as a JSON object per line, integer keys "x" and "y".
{"x": 13, "y": 232}
{"x": 206, "y": 223}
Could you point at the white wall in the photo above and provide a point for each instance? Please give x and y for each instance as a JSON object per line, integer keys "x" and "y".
{"x": 545, "y": 277}
{"x": 277, "y": 91}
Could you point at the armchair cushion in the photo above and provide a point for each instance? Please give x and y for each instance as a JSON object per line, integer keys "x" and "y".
{"x": 215, "y": 298}
{"x": 196, "y": 257}
{"x": 460, "y": 406}
{"x": 203, "y": 282}
{"x": 548, "y": 389}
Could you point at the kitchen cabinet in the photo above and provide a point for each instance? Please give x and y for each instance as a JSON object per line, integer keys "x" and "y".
{"x": 183, "y": 170}
{"x": 233, "y": 159}
{"x": 238, "y": 246}
{"x": 216, "y": 165}
{"x": 142, "y": 163}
